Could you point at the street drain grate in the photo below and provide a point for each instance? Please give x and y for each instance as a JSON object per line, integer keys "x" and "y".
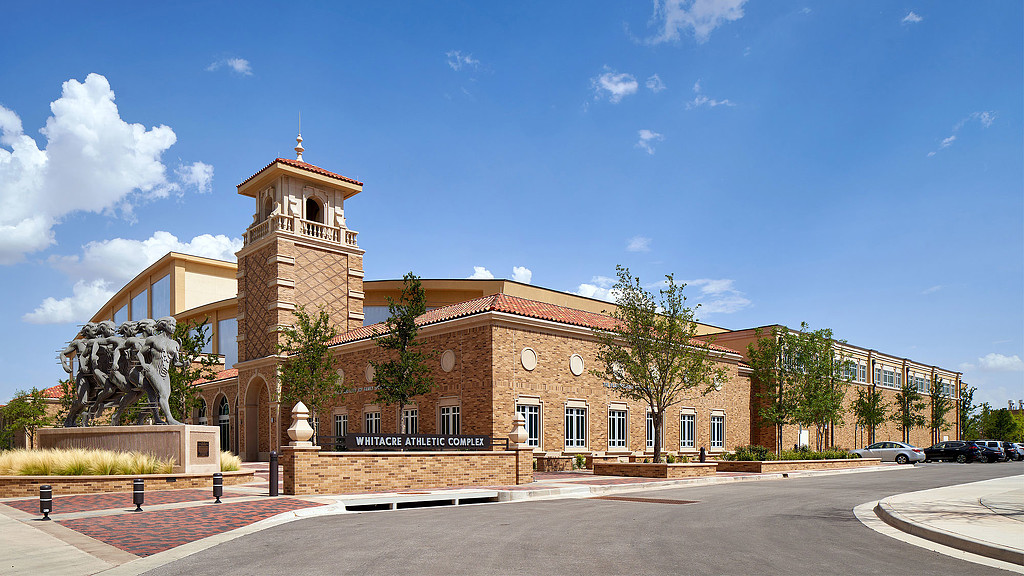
{"x": 651, "y": 500}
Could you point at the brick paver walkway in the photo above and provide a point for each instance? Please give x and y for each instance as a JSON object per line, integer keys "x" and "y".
{"x": 117, "y": 500}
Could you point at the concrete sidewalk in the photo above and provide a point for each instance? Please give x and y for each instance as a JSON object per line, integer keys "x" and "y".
{"x": 984, "y": 518}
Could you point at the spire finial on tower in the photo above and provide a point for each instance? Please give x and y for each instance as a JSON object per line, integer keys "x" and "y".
{"x": 298, "y": 139}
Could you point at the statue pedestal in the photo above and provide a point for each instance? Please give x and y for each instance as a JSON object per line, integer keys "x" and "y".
{"x": 194, "y": 449}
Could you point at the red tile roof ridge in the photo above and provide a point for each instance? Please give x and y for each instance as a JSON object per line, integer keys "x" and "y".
{"x": 304, "y": 166}
{"x": 222, "y": 375}
{"x": 53, "y": 392}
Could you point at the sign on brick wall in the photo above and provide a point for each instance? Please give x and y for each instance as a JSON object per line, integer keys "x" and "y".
{"x": 416, "y": 442}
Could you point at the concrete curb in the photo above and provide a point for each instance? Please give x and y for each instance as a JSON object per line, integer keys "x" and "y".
{"x": 988, "y": 549}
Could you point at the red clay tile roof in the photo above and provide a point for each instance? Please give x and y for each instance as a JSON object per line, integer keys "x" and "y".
{"x": 304, "y": 166}
{"x": 222, "y": 375}
{"x": 52, "y": 392}
{"x": 500, "y": 303}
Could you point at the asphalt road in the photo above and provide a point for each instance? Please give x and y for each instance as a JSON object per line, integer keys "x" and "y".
{"x": 789, "y": 526}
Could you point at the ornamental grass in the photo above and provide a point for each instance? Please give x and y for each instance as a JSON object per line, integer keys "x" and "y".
{"x": 81, "y": 462}
{"x": 229, "y": 462}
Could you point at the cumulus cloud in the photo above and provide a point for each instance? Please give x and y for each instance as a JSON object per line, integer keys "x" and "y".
{"x": 984, "y": 118}
{"x": 599, "y": 287}
{"x": 673, "y": 17}
{"x": 237, "y": 65}
{"x": 93, "y": 161}
{"x": 457, "y": 60}
{"x": 638, "y": 244}
{"x": 480, "y": 273}
{"x": 932, "y": 289}
{"x": 646, "y": 138}
{"x": 654, "y": 83}
{"x": 993, "y": 362}
{"x": 911, "y": 18}
{"x": 700, "y": 99}
{"x": 104, "y": 266}
{"x": 613, "y": 85}
{"x": 522, "y": 274}
{"x": 718, "y": 296}
{"x": 198, "y": 175}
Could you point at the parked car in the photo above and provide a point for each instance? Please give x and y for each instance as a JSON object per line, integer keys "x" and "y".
{"x": 989, "y": 452}
{"x": 897, "y": 452}
{"x": 954, "y": 451}
{"x": 995, "y": 446}
{"x": 1020, "y": 448}
{"x": 1012, "y": 451}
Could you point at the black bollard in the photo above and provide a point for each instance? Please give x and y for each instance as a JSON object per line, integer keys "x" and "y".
{"x": 703, "y": 455}
{"x": 273, "y": 473}
{"x": 45, "y": 501}
{"x": 218, "y": 486}
{"x": 138, "y": 493}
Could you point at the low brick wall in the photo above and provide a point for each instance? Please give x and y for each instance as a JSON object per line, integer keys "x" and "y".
{"x": 794, "y": 465}
{"x": 28, "y": 486}
{"x": 591, "y": 460}
{"x": 554, "y": 463}
{"x": 309, "y": 471}
{"x": 659, "y": 470}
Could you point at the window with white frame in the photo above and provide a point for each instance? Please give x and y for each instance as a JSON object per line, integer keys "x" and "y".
{"x": 371, "y": 423}
{"x": 888, "y": 378}
{"x": 575, "y": 427}
{"x": 531, "y": 418}
{"x": 410, "y": 420}
{"x": 862, "y": 372}
{"x": 687, "y": 430}
{"x": 449, "y": 420}
{"x": 650, "y": 430}
{"x": 899, "y": 380}
{"x": 616, "y": 429}
{"x": 717, "y": 431}
{"x": 877, "y": 381}
{"x": 340, "y": 430}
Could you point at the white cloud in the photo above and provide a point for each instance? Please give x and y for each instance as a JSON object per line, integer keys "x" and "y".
{"x": 93, "y": 162}
{"x": 718, "y": 296}
{"x": 481, "y": 273}
{"x": 197, "y": 174}
{"x": 806, "y": 10}
{"x": 932, "y": 289}
{"x": 238, "y": 65}
{"x": 654, "y": 83}
{"x": 702, "y": 100}
{"x": 993, "y": 362}
{"x": 613, "y": 85}
{"x": 104, "y": 266}
{"x": 638, "y": 244}
{"x": 985, "y": 118}
{"x": 646, "y": 138}
{"x": 522, "y": 274}
{"x": 911, "y": 18}
{"x": 599, "y": 287}
{"x": 700, "y": 16}
{"x": 457, "y": 60}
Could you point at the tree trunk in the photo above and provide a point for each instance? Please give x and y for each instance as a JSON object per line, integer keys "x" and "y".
{"x": 401, "y": 418}
{"x": 657, "y": 436}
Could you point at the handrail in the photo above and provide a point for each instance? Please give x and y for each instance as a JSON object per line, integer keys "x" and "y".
{"x": 300, "y": 227}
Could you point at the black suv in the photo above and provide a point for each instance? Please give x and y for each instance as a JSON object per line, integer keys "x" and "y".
{"x": 954, "y": 451}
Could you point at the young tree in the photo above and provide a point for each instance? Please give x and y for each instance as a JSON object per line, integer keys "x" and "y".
{"x": 869, "y": 408}
{"x": 196, "y": 364}
{"x": 821, "y": 380}
{"x": 774, "y": 382}
{"x": 907, "y": 409}
{"x": 966, "y": 410}
{"x": 308, "y": 373}
{"x": 25, "y": 412}
{"x": 651, "y": 353}
{"x": 404, "y": 374}
{"x": 941, "y": 406}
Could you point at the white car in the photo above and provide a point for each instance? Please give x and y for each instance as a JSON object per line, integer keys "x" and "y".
{"x": 898, "y": 452}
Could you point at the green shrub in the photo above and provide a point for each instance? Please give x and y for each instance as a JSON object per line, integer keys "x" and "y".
{"x": 579, "y": 462}
{"x": 670, "y": 458}
{"x": 752, "y": 453}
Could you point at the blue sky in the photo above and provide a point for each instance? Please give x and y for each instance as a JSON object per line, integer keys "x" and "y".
{"x": 854, "y": 165}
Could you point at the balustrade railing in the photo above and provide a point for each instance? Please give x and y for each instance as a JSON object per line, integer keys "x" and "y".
{"x": 307, "y": 228}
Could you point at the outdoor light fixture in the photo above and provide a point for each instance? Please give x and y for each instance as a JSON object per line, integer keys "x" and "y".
{"x": 45, "y": 501}
{"x": 138, "y": 493}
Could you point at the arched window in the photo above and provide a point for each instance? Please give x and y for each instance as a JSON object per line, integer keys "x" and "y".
{"x": 313, "y": 211}
{"x": 268, "y": 207}
{"x": 201, "y": 413}
{"x": 224, "y": 421}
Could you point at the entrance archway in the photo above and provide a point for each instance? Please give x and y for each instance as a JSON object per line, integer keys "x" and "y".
{"x": 255, "y": 418}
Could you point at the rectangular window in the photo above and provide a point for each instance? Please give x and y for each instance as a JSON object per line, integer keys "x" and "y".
{"x": 899, "y": 380}
{"x": 340, "y": 430}
{"x": 888, "y": 378}
{"x": 208, "y": 344}
{"x": 688, "y": 431}
{"x": 616, "y": 429}
{"x": 139, "y": 308}
{"x": 410, "y": 420}
{"x": 161, "y": 299}
{"x": 449, "y": 420}
{"x": 531, "y": 415}
{"x": 371, "y": 421}
{"x": 717, "y": 431}
{"x": 863, "y": 372}
{"x": 650, "y": 430}
{"x": 227, "y": 341}
{"x": 121, "y": 315}
{"x": 575, "y": 427}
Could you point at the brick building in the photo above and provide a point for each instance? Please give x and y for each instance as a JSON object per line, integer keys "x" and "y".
{"x": 500, "y": 347}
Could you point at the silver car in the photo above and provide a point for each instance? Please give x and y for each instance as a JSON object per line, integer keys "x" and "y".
{"x": 898, "y": 452}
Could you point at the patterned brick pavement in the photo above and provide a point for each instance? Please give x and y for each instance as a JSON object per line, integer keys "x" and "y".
{"x": 146, "y": 533}
{"x": 116, "y": 501}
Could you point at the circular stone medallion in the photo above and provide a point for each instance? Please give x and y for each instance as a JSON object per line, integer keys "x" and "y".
{"x": 448, "y": 360}
{"x": 370, "y": 373}
{"x": 528, "y": 358}
{"x": 576, "y": 364}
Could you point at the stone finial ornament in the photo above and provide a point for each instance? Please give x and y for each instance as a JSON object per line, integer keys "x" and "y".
{"x": 298, "y": 148}
{"x": 518, "y": 435}
{"x": 300, "y": 432}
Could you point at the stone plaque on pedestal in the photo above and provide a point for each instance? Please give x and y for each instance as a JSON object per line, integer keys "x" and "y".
{"x": 194, "y": 449}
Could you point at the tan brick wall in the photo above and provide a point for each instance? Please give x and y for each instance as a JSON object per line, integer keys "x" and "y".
{"x": 790, "y": 465}
{"x": 314, "y": 472}
{"x": 654, "y": 470}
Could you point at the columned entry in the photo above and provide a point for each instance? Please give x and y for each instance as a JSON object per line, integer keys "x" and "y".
{"x": 255, "y": 418}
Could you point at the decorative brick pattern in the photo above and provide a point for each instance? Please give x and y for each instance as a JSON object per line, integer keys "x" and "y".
{"x": 116, "y": 501}
{"x": 28, "y": 486}
{"x": 661, "y": 470}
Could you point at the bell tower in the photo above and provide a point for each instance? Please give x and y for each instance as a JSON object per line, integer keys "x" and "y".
{"x": 297, "y": 252}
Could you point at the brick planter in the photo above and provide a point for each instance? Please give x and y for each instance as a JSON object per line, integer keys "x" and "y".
{"x": 28, "y": 486}
{"x": 660, "y": 470}
{"x": 554, "y": 463}
{"x": 794, "y": 465}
